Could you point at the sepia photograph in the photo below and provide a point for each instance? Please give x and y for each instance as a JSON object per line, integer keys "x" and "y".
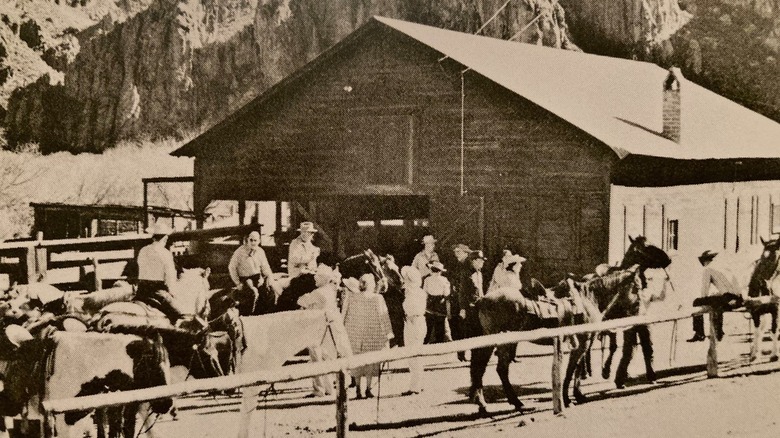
{"x": 389, "y": 218}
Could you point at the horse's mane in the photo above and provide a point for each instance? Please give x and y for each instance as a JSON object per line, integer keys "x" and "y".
{"x": 604, "y": 286}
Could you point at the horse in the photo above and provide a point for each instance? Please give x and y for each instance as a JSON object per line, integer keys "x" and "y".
{"x": 764, "y": 296}
{"x": 645, "y": 256}
{"x": 270, "y": 342}
{"x": 506, "y": 309}
{"x": 56, "y": 368}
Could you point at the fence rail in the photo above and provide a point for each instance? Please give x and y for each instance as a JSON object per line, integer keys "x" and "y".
{"x": 342, "y": 366}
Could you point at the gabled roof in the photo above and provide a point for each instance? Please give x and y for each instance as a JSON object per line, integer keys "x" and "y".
{"x": 617, "y": 101}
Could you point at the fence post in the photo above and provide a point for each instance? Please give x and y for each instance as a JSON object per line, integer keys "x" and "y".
{"x": 557, "y": 383}
{"x": 712, "y": 352}
{"x": 98, "y": 281}
{"x": 341, "y": 406}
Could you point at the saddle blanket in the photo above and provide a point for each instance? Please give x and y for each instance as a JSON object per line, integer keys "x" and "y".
{"x": 558, "y": 309}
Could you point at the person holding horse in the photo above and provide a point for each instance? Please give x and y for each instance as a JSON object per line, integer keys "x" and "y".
{"x": 723, "y": 282}
{"x": 424, "y": 258}
{"x": 302, "y": 254}
{"x": 415, "y": 328}
{"x": 157, "y": 274}
{"x": 249, "y": 269}
{"x": 640, "y": 333}
{"x": 459, "y": 279}
{"x": 438, "y": 308}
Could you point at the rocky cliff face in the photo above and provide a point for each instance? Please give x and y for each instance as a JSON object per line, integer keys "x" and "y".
{"x": 182, "y": 64}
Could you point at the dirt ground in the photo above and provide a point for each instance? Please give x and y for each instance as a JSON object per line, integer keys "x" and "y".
{"x": 742, "y": 402}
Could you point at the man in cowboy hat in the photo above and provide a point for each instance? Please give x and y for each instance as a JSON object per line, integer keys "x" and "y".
{"x": 459, "y": 276}
{"x": 157, "y": 273}
{"x": 474, "y": 290}
{"x": 724, "y": 282}
{"x": 249, "y": 269}
{"x": 426, "y": 256}
{"x": 302, "y": 254}
{"x": 437, "y": 312}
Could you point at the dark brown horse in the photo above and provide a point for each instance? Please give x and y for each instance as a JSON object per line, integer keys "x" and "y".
{"x": 646, "y": 257}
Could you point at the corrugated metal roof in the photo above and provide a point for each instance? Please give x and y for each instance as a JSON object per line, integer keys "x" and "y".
{"x": 615, "y": 100}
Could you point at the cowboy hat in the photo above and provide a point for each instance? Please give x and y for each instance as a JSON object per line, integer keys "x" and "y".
{"x": 159, "y": 228}
{"x": 477, "y": 255}
{"x": 436, "y": 266}
{"x": 707, "y": 256}
{"x": 461, "y": 247}
{"x": 428, "y": 239}
{"x": 307, "y": 227}
{"x": 17, "y": 334}
{"x": 351, "y": 283}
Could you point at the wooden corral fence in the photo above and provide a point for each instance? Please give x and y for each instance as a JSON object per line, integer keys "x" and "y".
{"x": 53, "y": 261}
{"x": 343, "y": 366}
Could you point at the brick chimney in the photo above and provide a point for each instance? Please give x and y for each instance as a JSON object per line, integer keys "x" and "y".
{"x": 671, "y": 108}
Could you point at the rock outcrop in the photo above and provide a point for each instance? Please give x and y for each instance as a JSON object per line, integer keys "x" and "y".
{"x": 183, "y": 64}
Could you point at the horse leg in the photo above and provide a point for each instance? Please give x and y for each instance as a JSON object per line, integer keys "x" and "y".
{"x": 758, "y": 330}
{"x": 580, "y": 354}
{"x": 571, "y": 370}
{"x": 506, "y": 355}
{"x": 612, "y": 339}
{"x": 248, "y": 406}
{"x": 479, "y": 361}
{"x": 773, "y": 314}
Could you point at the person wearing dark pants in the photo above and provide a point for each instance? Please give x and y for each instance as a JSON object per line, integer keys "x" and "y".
{"x": 718, "y": 276}
{"x": 458, "y": 279}
{"x": 157, "y": 274}
{"x": 639, "y": 333}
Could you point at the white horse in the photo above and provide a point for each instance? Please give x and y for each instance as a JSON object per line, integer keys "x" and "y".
{"x": 274, "y": 338}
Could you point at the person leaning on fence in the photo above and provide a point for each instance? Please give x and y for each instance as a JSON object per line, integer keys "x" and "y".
{"x": 425, "y": 257}
{"x": 157, "y": 274}
{"x": 437, "y": 310}
{"x": 641, "y": 333}
{"x": 415, "y": 301}
{"x": 302, "y": 254}
{"x": 459, "y": 276}
{"x": 249, "y": 269}
{"x": 368, "y": 325}
{"x": 723, "y": 282}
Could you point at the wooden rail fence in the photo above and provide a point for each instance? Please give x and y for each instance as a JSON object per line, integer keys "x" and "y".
{"x": 344, "y": 365}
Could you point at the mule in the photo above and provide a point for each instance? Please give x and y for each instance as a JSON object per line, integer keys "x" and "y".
{"x": 764, "y": 296}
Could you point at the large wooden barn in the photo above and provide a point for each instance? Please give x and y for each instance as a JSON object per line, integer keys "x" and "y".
{"x": 401, "y": 129}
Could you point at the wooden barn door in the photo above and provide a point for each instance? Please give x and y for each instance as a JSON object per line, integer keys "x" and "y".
{"x": 458, "y": 219}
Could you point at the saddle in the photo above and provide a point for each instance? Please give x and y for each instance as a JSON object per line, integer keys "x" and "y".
{"x": 554, "y": 309}
{"x": 131, "y": 313}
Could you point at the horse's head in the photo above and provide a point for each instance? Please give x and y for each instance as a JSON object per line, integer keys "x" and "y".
{"x": 765, "y": 268}
{"x": 645, "y": 255}
{"x": 365, "y": 263}
{"x": 192, "y": 291}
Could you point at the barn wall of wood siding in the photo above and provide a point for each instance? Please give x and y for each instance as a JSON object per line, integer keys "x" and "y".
{"x": 544, "y": 184}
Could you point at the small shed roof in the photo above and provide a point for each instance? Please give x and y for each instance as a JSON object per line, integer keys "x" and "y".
{"x": 617, "y": 101}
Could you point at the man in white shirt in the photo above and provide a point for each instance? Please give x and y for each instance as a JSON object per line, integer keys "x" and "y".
{"x": 723, "y": 282}
{"x": 424, "y": 258}
{"x": 157, "y": 274}
{"x": 249, "y": 269}
{"x": 302, "y": 254}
